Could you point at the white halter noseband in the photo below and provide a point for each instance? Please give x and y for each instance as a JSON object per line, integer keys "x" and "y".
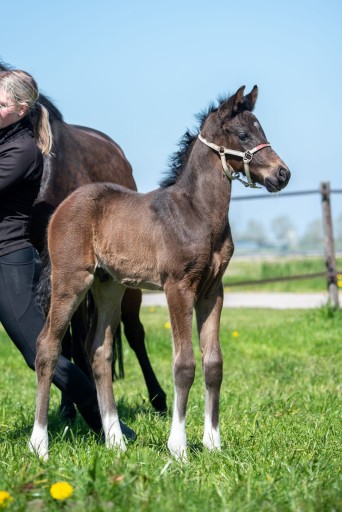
{"x": 245, "y": 155}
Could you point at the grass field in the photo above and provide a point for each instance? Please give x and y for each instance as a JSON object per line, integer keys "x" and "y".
{"x": 280, "y": 426}
{"x": 247, "y": 269}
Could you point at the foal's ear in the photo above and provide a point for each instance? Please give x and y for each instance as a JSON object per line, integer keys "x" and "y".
{"x": 249, "y": 100}
{"x": 238, "y": 103}
{"x": 242, "y": 102}
{"x": 232, "y": 106}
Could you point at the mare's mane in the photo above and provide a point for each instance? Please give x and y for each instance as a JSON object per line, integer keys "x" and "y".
{"x": 54, "y": 113}
{"x": 178, "y": 159}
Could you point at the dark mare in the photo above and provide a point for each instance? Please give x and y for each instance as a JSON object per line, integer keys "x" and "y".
{"x": 80, "y": 156}
{"x": 176, "y": 238}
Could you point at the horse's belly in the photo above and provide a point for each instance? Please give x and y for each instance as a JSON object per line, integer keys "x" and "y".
{"x": 137, "y": 283}
{"x": 133, "y": 275}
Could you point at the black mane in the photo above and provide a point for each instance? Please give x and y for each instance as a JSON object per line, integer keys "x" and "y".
{"x": 54, "y": 113}
{"x": 178, "y": 159}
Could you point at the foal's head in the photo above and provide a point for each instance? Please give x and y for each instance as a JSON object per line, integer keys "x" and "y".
{"x": 234, "y": 127}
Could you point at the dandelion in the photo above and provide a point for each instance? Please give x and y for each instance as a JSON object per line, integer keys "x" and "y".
{"x": 167, "y": 325}
{"x": 152, "y": 309}
{"x": 5, "y": 499}
{"x": 235, "y": 334}
{"x": 61, "y": 490}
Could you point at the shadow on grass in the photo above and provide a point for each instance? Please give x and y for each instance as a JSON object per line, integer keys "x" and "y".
{"x": 129, "y": 412}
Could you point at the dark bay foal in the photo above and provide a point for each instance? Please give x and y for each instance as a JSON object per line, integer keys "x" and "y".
{"x": 176, "y": 238}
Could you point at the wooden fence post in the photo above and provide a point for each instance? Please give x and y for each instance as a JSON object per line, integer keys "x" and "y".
{"x": 330, "y": 260}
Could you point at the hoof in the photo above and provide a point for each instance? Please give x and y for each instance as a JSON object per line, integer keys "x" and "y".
{"x": 158, "y": 402}
{"x": 212, "y": 441}
{"x": 116, "y": 443}
{"x": 179, "y": 453}
{"x": 39, "y": 448}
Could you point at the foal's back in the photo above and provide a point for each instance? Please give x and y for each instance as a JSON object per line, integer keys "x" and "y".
{"x": 134, "y": 237}
{"x": 105, "y": 226}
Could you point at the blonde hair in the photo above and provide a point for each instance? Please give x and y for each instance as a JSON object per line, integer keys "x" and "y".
{"x": 23, "y": 89}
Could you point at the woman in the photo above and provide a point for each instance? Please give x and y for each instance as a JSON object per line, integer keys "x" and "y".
{"x": 25, "y": 136}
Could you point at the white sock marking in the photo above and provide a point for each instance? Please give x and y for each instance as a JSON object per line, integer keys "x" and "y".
{"x": 39, "y": 441}
{"x": 112, "y": 431}
{"x": 211, "y": 437}
{"x": 177, "y": 438}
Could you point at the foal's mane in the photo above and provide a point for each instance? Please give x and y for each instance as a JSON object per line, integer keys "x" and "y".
{"x": 54, "y": 113}
{"x": 178, "y": 160}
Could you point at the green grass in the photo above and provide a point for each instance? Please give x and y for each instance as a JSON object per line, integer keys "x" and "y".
{"x": 280, "y": 426}
{"x": 243, "y": 269}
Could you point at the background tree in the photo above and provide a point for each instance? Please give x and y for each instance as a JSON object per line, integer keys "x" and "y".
{"x": 285, "y": 232}
{"x": 313, "y": 237}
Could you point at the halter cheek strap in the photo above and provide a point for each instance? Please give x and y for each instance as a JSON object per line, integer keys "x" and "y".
{"x": 245, "y": 155}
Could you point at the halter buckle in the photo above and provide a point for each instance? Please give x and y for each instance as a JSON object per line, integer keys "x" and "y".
{"x": 247, "y": 157}
{"x": 221, "y": 150}
{"x": 235, "y": 175}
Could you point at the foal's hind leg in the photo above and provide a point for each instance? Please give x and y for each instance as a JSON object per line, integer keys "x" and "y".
{"x": 67, "y": 293}
{"x": 180, "y": 303}
{"x": 134, "y": 332}
{"x": 208, "y": 312}
{"x": 99, "y": 344}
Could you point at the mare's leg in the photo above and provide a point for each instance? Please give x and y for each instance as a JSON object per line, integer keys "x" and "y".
{"x": 208, "y": 312}
{"x": 134, "y": 332}
{"x": 180, "y": 302}
{"x": 99, "y": 344}
{"x": 67, "y": 292}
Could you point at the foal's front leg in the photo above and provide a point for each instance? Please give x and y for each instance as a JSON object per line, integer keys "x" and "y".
{"x": 99, "y": 344}
{"x": 180, "y": 304}
{"x": 208, "y": 312}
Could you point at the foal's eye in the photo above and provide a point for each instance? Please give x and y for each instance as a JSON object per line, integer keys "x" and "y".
{"x": 243, "y": 136}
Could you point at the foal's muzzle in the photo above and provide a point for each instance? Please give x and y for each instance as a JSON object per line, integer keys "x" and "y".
{"x": 278, "y": 180}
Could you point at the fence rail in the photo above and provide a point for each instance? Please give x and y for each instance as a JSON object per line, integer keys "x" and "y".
{"x": 330, "y": 260}
{"x": 283, "y": 194}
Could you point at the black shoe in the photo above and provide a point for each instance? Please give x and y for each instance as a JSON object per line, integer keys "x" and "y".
{"x": 129, "y": 434}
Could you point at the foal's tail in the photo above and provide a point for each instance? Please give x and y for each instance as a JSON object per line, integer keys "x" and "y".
{"x": 43, "y": 291}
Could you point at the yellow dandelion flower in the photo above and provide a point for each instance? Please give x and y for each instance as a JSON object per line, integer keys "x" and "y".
{"x": 5, "y": 499}
{"x": 167, "y": 325}
{"x": 339, "y": 284}
{"x": 61, "y": 490}
{"x": 151, "y": 309}
{"x": 235, "y": 334}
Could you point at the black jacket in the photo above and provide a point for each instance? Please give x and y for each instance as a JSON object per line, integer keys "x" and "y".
{"x": 21, "y": 169}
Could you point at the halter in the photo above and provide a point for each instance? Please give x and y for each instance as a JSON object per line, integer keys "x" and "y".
{"x": 245, "y": 155}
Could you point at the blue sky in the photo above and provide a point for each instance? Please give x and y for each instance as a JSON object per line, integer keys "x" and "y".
{"x": 140, "y": 70}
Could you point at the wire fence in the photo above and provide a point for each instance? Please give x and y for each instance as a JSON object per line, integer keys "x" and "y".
{"x": 331, "y": 272}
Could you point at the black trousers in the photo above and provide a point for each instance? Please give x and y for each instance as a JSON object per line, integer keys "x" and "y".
{"x": 19, "y": 273}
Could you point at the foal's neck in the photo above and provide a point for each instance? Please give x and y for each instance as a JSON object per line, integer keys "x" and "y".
{"x": 204, "y": 181}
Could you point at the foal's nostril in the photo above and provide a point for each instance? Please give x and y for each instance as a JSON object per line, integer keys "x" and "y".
{"x": 283, "y": 174}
